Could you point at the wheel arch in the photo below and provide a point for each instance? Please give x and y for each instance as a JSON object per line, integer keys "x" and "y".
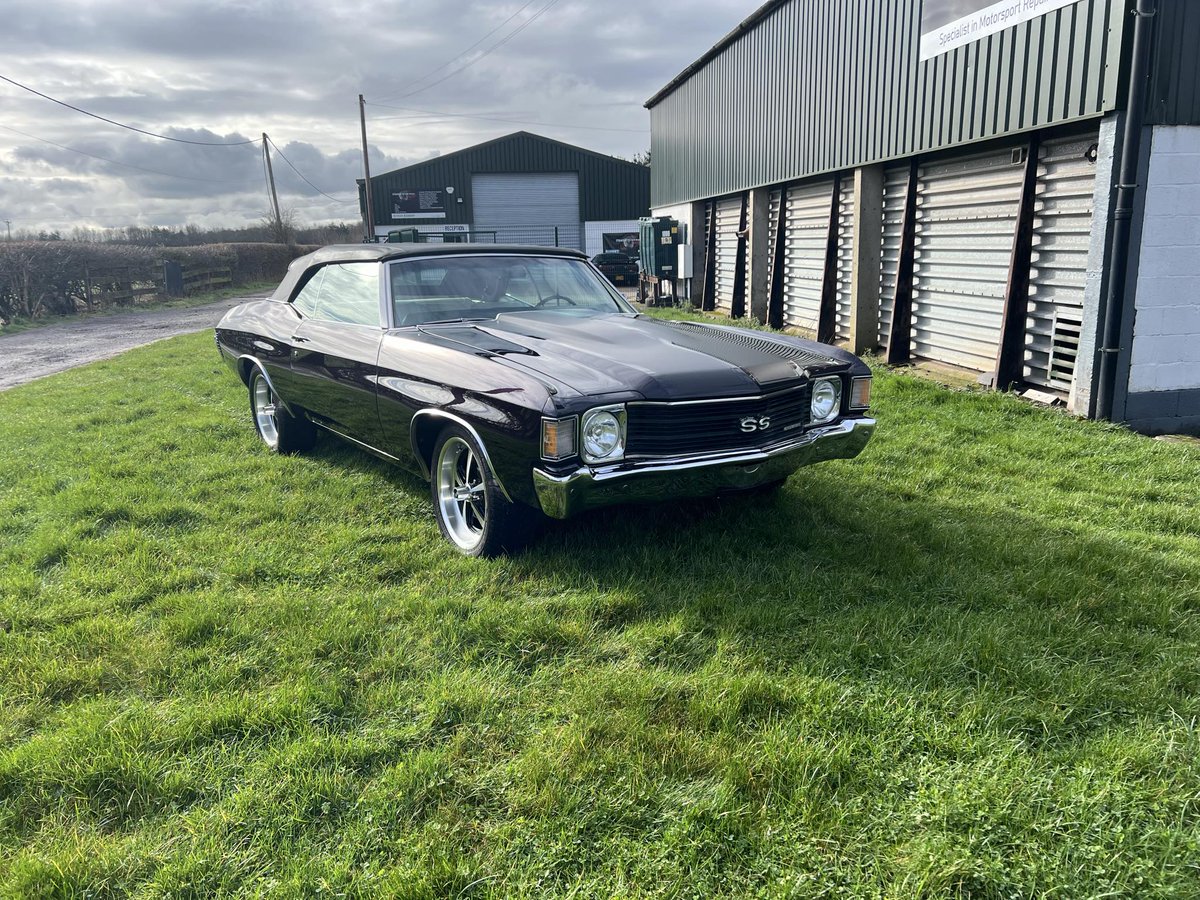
{"x": 423, "y": 433}
{"x": 247, "y": 364}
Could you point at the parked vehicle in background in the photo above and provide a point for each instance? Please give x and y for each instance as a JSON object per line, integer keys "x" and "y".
{"x": 518, "y": 382}
{"x": 619, "y": 268}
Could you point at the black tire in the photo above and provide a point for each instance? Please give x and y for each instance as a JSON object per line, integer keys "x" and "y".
{"x": 279, "y": 430}
{"x": 471, "y": 510}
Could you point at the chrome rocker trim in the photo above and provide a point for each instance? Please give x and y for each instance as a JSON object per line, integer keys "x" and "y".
{"x": 592, "y": 487}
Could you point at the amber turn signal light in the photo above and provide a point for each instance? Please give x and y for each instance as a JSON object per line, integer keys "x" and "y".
{"x": 558, "y": 437}
{"x": 860, "y": 393}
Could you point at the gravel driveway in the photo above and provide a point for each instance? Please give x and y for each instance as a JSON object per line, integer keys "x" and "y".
{"x": 52, "y": 348}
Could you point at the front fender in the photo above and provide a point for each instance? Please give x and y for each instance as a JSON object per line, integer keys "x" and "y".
{"x": 510, "y": 436}
{"x": 423, "y": 431}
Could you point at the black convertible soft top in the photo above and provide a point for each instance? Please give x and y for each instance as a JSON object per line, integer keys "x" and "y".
{"x": 300, "y": 266}
{"x": 359, "y": 252}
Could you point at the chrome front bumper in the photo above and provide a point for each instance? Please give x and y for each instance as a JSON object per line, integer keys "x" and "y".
{"x": 591, "y": 487}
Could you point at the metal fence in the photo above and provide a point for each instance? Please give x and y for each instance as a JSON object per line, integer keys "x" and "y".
{"x": 570, "y": 236}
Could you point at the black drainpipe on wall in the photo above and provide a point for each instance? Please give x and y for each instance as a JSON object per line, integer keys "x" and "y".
{"x": 1131, "y": 151}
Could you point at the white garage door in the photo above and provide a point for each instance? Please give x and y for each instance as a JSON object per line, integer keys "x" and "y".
{"x": 528, "y": 208}
{"x": 729, "y": 221}
{"x": 806, "y": 236}
{"x": 1061, "y": 237}
{"x": 895, "y": 195}
{"x": 845, "y": 258}
{"x": 966, "y": 219}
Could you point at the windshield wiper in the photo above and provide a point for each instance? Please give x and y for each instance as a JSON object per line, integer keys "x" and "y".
{"x": 453, "y": 321}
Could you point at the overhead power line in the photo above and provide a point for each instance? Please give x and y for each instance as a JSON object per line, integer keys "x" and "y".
{"x": 459, "y": 56}
{"x": 152, "y": 134}
{"x": 305, "y": 180}
{"x": 115, "y": 162}
{"x": 492, "y": 49}
{"x": 429, "y": 112}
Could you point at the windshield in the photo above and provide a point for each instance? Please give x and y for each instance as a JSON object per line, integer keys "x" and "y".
{"x": 449, "y": 288}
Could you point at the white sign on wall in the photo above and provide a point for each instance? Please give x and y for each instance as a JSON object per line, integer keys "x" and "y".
{"x": 946, "y": 24}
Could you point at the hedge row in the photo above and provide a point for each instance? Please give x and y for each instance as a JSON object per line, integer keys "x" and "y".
{"x": 40, "y": 278}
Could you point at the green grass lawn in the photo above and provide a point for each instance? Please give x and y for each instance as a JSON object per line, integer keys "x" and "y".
{"x": 965, "y": 665}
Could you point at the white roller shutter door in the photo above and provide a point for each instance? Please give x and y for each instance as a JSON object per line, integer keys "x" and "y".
{"x": 966, "y": 218}
{"x": 895, "y": 193}
{"x": 729, "y": 220}
{"x": 806, "y": 235}
{"x": 1062, "y": 225}
{"x": 845, "y": 258}
{"x": 774, "y": 202}
{"x": 527, "y": 207}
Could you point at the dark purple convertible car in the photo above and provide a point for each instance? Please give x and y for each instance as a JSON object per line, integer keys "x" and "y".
{"x": 519, "y": 382}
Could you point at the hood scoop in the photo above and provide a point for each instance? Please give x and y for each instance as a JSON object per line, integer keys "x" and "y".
{"x": 483, "y": 342}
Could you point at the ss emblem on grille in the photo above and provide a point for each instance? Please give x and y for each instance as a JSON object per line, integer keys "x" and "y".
{"x": 751, "y": 424}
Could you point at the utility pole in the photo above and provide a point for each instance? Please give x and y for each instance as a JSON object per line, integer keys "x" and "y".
{"x": 274, "y": 196}
{"x": 369, "y": 212}
{"x": 8, "y": 225}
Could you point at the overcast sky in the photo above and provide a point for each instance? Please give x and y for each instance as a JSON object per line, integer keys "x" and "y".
{"x": 227, "y": 70}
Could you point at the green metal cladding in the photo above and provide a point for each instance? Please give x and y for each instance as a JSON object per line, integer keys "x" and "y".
{"x": 1174, "y": 93}
{"x": 804, "y": 87}
{"x": 609, "y": 188}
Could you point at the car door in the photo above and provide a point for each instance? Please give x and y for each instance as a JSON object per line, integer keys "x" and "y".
{"x": 335, "y": 349}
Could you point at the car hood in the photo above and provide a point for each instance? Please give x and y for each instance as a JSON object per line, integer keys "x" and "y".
{"x": 600, "y": 353}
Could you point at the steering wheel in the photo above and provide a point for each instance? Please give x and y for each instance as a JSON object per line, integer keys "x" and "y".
{"x": 558, "y": 298}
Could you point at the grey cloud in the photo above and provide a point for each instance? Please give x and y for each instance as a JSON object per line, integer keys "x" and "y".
{"x": 154, "y": 169}
{"x": 294, "y": 69}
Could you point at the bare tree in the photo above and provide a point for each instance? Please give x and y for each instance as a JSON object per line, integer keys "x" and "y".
{"x": 283, "y": 229}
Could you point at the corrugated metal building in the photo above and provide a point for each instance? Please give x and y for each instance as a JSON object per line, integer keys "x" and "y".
{"x": 940, "y": 181}
{"x": 521, "y": 188}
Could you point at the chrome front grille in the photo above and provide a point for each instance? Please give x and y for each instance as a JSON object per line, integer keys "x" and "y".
{"x": 661, "y": 430}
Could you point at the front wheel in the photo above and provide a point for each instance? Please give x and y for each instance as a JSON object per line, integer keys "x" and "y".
{"x": 279, "y": 429}
{"x": 472, "y": 512}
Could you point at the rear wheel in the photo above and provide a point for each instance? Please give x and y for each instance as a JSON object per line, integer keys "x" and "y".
{"x": 279, "y": 429}
{"x": 472, "y": 512}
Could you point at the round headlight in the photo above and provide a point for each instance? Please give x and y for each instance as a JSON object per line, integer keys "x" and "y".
{"x": 601, "y": 435}
{"x": 825, "y": 399}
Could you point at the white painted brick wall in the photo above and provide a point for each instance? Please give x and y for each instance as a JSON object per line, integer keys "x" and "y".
{"x": 1166, "y": 340}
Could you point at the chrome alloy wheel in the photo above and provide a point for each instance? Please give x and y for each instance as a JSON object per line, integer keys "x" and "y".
{"x": 265, "y": 411}
{"x": 461, "y": 493}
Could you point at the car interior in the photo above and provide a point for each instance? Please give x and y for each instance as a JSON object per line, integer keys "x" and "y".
{"x": 449, "y": 289}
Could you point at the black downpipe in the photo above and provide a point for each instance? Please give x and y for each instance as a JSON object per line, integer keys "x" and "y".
{"x": 1131, "y": 151}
